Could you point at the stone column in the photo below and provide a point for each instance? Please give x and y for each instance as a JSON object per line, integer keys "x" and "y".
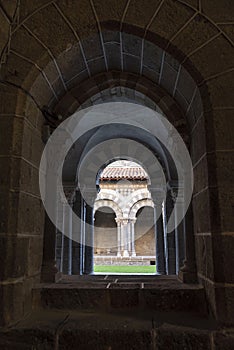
{"x": 125, "y": 237}
{"x": 179, "y": 235}
{"x": 129, "y": 237}
{"x": 89, "y": 235}
{"x": 62, "y": 239}
{"x": 69, "y": 232}
{"x": 122, "y": 236}
{"x": 49, "y": 272}
{"x": 188, "y": 273}
{"x": 49, "y": 269}
{"x": 67, "y": 256}
{"x": 159, "y": 237}
{"x": 76, "y": 235}
{"x": 132, "y": 223}
{"x": 65, "y": 238}
{"x": 53, "y": 159}
{"x": 82, "y": 248}
{"x": 118, "y": 237}
{"x": 171, "y": 255}
{"x": 59, "y": 238}
{"x": 89, "y": 241}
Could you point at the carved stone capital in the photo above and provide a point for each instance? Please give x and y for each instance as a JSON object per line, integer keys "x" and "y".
{"x": 124, "y": 221}
{"x": 70, "y": 193}
{"x": 157, "y": 195}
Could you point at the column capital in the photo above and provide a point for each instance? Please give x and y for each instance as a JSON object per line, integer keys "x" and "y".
{"x": 158, "y": 197}
{"x": 173, "y": 193}
{"x": 118, "y": 221}
{"x": 70, "y": 193}
{"x": 176, "y": 195}
{"x": 124, "y": 221}
{"x": 157, "y": 192}
{"x": 158, "y": 202}
{"x": 89, "y": 195}
{"x": 132, "y": 220}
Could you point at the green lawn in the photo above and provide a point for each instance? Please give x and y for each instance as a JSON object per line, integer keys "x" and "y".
{"x": 125, "y": 269}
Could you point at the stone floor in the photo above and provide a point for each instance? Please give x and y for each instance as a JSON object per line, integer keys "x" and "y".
{"x": 117, "y": 312}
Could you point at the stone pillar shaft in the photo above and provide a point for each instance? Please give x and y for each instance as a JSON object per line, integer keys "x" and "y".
{"x": 89, "y": 241}
{"x": 159, "y": 240}
{"x": 179, "y": 237}
{"x": 49, "y": 269}
{"x": 171, "y": 257}
{"x": 77, "y": 232}
{"x": 69, "y": 232}
{"x": 129, "y": 238}
{"x": 62, "y": 240}
{"x": 125, "y": 237}
{"x": 118, "y": 238}
{"x": 82, "y": 247}
{"x": 188, "y": 273}
{"x": 133, "y": 237}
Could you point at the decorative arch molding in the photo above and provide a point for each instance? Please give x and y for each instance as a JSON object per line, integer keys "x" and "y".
{"x": 140, "y": 204}
{"x": 119, "y": 203}
{"x": 137, "y": 196}
{"x": 108, "y": 203}
{"x": 110, "y": 195}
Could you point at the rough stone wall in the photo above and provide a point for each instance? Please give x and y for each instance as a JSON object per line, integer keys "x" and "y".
{"x": 22, "y": 213}
{"x": 145, "y": 245}
{"x": 144, "y": 232}
{"x": 105, "y": 233}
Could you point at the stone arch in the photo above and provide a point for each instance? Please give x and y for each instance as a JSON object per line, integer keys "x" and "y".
{"x": 155, "y": 95}
{"x": 108, "y": 203}
{"x": 138, "y": 196}
{"x": 110, "y": 195}
{"x": 138, "y": 205}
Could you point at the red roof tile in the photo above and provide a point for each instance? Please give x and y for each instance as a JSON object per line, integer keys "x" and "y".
{"x": 131, "y": 173}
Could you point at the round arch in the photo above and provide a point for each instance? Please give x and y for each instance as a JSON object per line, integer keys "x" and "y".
{"x": 137, "y": 197}
{"x": 109, "y": 195}
{"x": 108, "y": 203}
{"x": 138, "y": 205}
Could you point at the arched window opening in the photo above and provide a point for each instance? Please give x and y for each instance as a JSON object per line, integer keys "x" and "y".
{"x": 122, "y": 186}
{"x": 131, "y": 194}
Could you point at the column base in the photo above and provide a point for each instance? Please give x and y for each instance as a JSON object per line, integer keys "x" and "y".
{"x": 125, "y": 254}
{"x": 50, "y": 274}
{"x": 58, "y": 276}
{"x": 118, "y": 255}
{"x": 161, "y": 272}
{"x": 86, "y": 273}
{"x": 133, "y": 254}
{"x": 187, "y": 276}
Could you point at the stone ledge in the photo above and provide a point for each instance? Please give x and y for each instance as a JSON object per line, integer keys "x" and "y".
{"x": 103, "y": 331}
{"x": 121, "y": 293}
